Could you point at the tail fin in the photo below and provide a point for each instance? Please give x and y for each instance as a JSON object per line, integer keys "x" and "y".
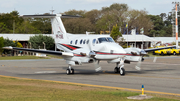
{"x": 58, "y": 28}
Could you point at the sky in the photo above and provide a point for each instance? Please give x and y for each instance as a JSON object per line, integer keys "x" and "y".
{"x": 26, "y": 7}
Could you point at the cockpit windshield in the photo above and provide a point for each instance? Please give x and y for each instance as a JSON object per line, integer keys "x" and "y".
{"x": 110, "y": 39}
{"x": 104, "y": 39}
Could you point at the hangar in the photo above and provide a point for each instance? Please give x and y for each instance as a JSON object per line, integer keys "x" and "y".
{"x": 133, "y": 40}
{"x": 22, "y": 38}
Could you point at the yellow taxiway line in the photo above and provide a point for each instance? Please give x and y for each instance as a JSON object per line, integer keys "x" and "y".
{"x": 99, "y": 86}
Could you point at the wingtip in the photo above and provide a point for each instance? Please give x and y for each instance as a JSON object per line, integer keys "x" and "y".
{"x": 9, "y": 47}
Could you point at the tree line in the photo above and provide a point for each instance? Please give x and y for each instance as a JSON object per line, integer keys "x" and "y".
{"x": 98, "y": 21}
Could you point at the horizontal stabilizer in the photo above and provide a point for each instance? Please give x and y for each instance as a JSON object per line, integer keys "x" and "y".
{"x": 50, "y": 16}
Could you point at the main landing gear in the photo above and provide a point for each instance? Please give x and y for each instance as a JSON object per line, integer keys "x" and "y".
{"x": 120, "y": 70}
{"x": 70, "y": 70}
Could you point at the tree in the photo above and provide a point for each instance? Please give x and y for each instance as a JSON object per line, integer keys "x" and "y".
{"x": 1, "y": 44}
{"x": 27, "y": 28}
{"x": 8, "y": 42}
{"x": 38, "y": 40}
{"x": 115, "y": 34}
{"x": 77, "y": 25}
{"x": 41, "y": 24}
{"x": 12, "y": 23}
{"x": 110, "y": 16}
{"x": 139, "y": 19}
{"x": 18, "y": 44}
{"x": 162, "y": 25}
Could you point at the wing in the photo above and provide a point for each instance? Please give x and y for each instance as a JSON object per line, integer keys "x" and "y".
{"x": 41, "y": 51}
{"x": 154, "y": 49}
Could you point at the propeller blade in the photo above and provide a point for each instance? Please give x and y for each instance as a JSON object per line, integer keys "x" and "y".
{"x": 138, "y": 66}
{"x": 155, "y": 58}
{"x": 96, "y": 65}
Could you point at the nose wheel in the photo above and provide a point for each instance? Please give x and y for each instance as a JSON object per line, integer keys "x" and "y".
{"x": 119, "y": 70}
{"x": 122, "y": 71}
{"x": 70, "y": 70}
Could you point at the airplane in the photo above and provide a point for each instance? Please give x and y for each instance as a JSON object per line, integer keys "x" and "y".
{"x": 79, "y": 49}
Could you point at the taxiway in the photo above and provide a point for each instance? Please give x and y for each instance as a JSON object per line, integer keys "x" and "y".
{"x": 162, "y": 76}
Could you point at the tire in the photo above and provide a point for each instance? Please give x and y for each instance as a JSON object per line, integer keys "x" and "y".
{"x": 116, "y": 70}
{"x": 67, "y": 71}
{"x": 122, "y": 72}
{"x": 154, "y": 53}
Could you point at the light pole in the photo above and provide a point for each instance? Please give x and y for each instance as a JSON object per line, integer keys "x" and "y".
{"x": 176, "y": 20}
{"x": 44, "y": 45}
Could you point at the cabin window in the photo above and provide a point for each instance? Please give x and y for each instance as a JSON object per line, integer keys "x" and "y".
{"x": 81, "y": 41}
{"x": 71, "y": 42}
{"x": 87, "y": 42}
{"x": 94, "y": 41}
{"x": 76, "y": 41}
{"x": 84, "y": 41}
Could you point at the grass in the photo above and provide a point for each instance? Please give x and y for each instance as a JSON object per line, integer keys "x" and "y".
{"x": 28, "y": 57}
{"x": 22, "y": 57}
{"x": 53, "y": 56}
{"x": 16, "y": 89}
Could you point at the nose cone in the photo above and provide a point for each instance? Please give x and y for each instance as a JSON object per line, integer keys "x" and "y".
{"x": 115, "y": 48}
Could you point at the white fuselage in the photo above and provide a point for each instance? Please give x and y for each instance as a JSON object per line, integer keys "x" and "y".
{"x": 103, "y": 46}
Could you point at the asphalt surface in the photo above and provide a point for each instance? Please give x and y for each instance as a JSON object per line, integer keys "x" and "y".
{"x": 162, "y": 76}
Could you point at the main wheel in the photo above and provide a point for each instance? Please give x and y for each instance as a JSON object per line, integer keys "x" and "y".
{"x": 68, "y": 72}
{"x": 122, "y": 71}
{"x": 116, "y": 69}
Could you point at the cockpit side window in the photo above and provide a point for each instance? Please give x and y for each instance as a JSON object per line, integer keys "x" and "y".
{"x": 71, "y": 42}
{"x": 110, "y": 39}
{"x": 94, "y": 41}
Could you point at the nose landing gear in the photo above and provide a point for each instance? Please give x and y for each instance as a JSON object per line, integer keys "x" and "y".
{"x": 119, "y": 68}
{"x": 70, "y": 70}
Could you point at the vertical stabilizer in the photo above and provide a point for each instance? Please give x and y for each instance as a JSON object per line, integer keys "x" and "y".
{"x": 58, "y": 28}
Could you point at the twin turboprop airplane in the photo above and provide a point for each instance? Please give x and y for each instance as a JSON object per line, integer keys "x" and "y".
{"x": 79, "y": 49}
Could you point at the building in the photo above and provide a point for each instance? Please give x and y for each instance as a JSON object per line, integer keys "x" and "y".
{"x": 138, "y": 40}
{"x": 22, "y": 38}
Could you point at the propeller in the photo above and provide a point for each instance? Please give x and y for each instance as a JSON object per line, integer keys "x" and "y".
{"x": 139, "y": 53}
{"x": 92, "y": 55}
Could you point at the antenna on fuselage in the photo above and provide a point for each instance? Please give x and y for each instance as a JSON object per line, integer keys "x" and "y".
{"x": 52, "y": 10}
{"x": 87, "y": 33}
